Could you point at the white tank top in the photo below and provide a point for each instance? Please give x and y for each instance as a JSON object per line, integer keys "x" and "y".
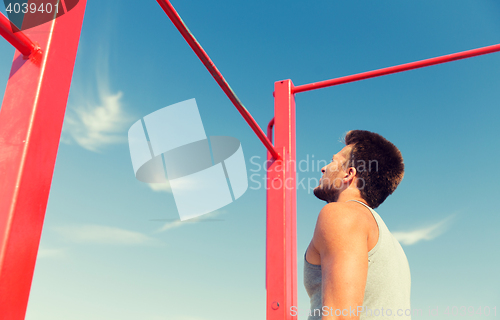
{"x": 387, "y": 291}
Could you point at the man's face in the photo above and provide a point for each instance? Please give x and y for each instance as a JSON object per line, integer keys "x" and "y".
{"x": 331, "y": 183}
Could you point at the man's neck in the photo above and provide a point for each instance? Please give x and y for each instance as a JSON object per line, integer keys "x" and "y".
{"x": 350, "y": 194}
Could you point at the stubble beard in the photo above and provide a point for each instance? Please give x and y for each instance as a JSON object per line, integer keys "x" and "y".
{"x": 326, "y": 194}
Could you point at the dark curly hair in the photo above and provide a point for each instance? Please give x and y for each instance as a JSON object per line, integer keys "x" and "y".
{"x": 379, "y": 165}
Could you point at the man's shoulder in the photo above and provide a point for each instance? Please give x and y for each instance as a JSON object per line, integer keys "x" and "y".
{"x": 341, "y": 219}
{"x": 342, "y": 213}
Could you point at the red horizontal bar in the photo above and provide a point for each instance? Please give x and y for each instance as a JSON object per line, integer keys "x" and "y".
{"x": 398, "y": 68}
{"x": 205, "y": 59}
{"x": 15, "y": 37}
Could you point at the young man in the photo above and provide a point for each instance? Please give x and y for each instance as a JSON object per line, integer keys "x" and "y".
{"x": 354, "y": 268}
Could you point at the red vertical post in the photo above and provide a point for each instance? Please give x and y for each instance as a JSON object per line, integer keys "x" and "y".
{"x": 281, "y": 239}
{"x": 31, "y": 120}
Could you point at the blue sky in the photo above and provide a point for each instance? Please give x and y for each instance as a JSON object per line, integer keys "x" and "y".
{"x": 113, "y": 248}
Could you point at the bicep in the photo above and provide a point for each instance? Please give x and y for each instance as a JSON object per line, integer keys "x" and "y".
{"x": 344, "y": 265}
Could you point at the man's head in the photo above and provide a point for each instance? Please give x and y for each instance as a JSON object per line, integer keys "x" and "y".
{"x": 368, "y": 163}
{"x": 333, "y": 181}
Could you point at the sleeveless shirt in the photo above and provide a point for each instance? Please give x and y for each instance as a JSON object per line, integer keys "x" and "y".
{"x": 387, "y": 290}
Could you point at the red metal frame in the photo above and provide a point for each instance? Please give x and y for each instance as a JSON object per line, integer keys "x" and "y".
{"x": 281, "y": 248}
{"x": 31, "y": 120}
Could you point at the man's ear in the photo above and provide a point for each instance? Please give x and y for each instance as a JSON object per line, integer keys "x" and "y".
{"x": 350, "y": 175}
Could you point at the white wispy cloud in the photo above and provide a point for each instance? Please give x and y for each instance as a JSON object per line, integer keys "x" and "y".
{"x": 94, "y": 123}
{"x": 427, "y": 233}
{"x": 97, "y": 234}
{"x": 177, "y": 223}
{"x": 95, "y": 126}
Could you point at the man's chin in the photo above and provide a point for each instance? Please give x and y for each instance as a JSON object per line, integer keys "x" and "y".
{"x": 325, "y": 195}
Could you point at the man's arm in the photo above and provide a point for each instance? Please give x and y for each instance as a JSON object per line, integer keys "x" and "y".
{"x": 341, "y": 239}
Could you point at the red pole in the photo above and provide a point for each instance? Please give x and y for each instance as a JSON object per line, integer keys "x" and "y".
{"x": 31, "y": 120}
{"x": 205, "y": 59}
{"x": 398, "y": 68}
{"x": 15, "y": 37}
{"x": 281, "y": 239}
